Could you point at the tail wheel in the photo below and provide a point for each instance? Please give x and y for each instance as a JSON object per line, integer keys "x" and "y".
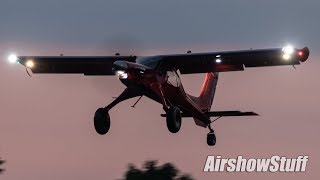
{"x": 173, "y": 119}
{"x": 101, "y": 121}
{"x": 211, "y": 139}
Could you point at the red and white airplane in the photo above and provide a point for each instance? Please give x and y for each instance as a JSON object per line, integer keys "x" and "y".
{"x": 156, "y": 77}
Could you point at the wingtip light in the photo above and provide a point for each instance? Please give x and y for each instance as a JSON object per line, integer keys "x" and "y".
{"x": 303, "y": 54}
{"x": 13, "y": 58}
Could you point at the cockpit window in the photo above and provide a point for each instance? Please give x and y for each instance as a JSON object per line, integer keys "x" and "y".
{"x": 151, "y": 62}
{"x": 173, "y": 78}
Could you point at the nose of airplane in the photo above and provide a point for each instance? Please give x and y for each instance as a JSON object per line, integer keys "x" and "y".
{"x": 120, "y": 66}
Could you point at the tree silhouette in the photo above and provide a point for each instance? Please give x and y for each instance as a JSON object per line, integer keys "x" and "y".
{"x": 151, "y": 171}
{"x": 1, "y": 162}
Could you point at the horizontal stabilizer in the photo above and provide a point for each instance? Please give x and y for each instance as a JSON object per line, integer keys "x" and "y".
{"x": 221, "y": 113}
{"x": 230, "y": 113}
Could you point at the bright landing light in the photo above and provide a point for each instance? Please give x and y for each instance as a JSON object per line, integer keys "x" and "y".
{"x": 288, "y": 49}
{"x": 13, "y": 58}
{"x": 119, "y": 72}
{"x": 286, "y": 56}
{"x": 122, "y": 74}
{"x": 29, "y": 64}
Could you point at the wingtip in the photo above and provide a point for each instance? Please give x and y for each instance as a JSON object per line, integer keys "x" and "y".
{"x": 256, "y": 114}
{"x": 251, "y": 113}
{"x": 303, "y": 54}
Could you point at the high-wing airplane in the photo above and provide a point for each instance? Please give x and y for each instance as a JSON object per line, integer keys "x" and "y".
{"x": 157, "y": 78}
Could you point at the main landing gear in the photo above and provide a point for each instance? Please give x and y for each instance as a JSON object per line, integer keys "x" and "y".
{"x": 174, "y": 124}
{"x": 173, "y": 119}
{"x": 211, "y": 137}
{"x": 102, "y": 121}
{"x": 102, "y": 118}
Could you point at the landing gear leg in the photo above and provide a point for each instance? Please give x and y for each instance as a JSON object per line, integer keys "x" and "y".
{"x": 211, "y": 137}
{"x": 102, "y": 118}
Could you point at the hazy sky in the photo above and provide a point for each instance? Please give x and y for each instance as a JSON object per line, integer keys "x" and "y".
{"x": 46, "y": 128}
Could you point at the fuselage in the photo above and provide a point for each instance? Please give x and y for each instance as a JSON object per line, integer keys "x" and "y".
{"x": 162, "y": 86}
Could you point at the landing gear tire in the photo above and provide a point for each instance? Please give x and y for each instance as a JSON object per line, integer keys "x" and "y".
{"x": 173, "y": 119}
{"x": 101, "y": 121}
{"x": 211, "y": 139}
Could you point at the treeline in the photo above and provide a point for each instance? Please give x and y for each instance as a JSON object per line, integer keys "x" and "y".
{"x": 1, "y": 162}
{"x": 151, "y": 170}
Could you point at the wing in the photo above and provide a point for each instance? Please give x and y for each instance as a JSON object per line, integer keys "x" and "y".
{"x": 87, "y": 65}
{"x": 233, "y": 60}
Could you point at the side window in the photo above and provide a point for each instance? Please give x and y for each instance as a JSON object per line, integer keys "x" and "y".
{"x": 173, "y": 79}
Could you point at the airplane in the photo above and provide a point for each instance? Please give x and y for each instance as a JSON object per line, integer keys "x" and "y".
{"x": 158, "y": 78}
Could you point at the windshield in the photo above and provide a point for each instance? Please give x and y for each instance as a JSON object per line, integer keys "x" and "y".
{"x": 151, "y": 61}
{"x": 173, "y": 78}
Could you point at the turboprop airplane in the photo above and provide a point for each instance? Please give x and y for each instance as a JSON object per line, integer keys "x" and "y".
{"x": 157, "y": 78}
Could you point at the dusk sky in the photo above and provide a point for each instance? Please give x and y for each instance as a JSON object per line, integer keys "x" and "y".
{"x": 46, "y": 122}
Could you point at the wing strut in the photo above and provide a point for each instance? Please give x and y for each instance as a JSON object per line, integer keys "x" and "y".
{"x": 216, "y": 119}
